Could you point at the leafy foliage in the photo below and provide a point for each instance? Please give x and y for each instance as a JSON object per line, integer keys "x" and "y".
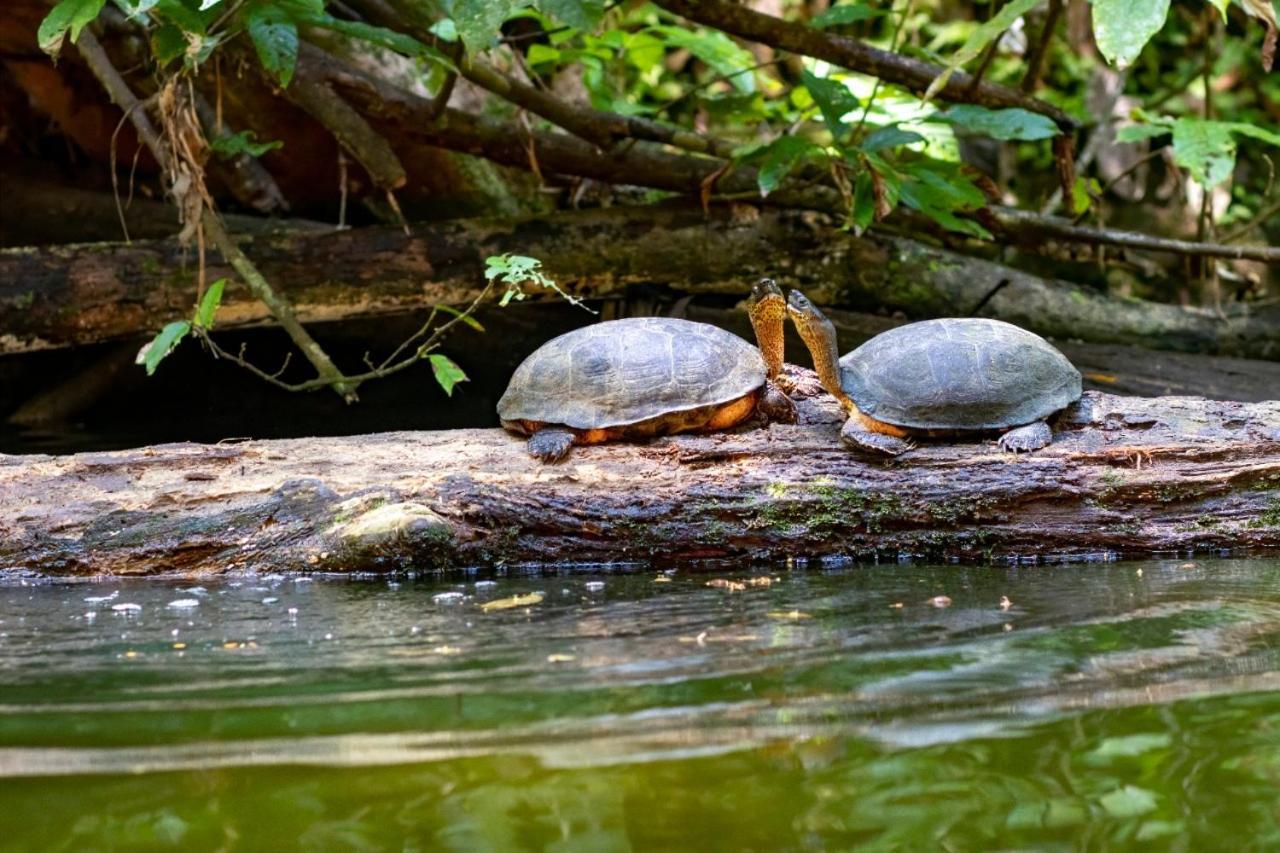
{"x": 1015, "y": 123}
{"x": 244, "y": 142}
{"x": 162, "y": 344}
{"x": 1123, "y": 27}
{"x": 447, "y": 373}
{"x": 980, "y": 38}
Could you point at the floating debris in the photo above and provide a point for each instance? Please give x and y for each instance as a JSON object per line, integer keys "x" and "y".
{"x": 447, "y": 597}
{"x": 764, "y": 580}
{"x": 897, "y": 605}
{"x": 1005, "y": 603}
{"x": 126, "y": 607}
{"x": 486, "y": 584}
{"x": 183, "y": 603}
{"x": 98, "y": 599}
{"x": 270, "y": 599}
{"x": 731, "y": 586}
{"x": 513, "y": 601}
{"x": 662, "y": 579}
{"x": 595, "y": 586}
{"x": 447, "y": 650}
{"x": 560, "y": 658}
{"x": 940, "y": 601}
{"x": 789, "y": 615}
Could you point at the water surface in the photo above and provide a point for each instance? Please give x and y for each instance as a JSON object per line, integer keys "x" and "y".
{"x": 1098, "y": 706}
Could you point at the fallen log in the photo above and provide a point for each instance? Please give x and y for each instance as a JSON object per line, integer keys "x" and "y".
{"x": 1125, "y": 476}
{"x": 74, "y": 295}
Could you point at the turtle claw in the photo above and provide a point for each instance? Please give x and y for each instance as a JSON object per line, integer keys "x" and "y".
{"x": 550, "y": 445}
{"x": 874, "y": 442}
{"x": 1027, "y": 438}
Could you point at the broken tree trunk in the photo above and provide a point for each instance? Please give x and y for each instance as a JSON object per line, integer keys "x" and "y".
{"x": 70, "y": 295}
{"x": 1125, "y": 475}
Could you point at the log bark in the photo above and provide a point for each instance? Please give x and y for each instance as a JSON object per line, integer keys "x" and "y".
{"x": 71, "y": 295}
{"x": 1124, "y": 476}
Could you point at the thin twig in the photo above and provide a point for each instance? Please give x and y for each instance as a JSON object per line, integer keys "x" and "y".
{"x": 1035, "y": 62}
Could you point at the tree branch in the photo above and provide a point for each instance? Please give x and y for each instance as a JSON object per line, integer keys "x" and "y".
{"x": 100, "y": 64}
{"x": 905, "y": 71}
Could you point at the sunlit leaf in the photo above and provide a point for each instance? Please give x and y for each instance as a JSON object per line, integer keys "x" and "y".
{"x": 980, "y": 38}
{"x": 1013, "y": 123}
{"x": 833, "y": 99}
{"x": 209, "y": 304}
{"x": 446, "y": 372}
{"x": 461, "y": 315}
{"x": 1207, "y": 149}
{"x": 1139, "y": 132}
{"x": 716, "y": 49}
{"x": 1122, "y": 28}
{"x": 69, "y": 16}
{"x": 162, "y": 344}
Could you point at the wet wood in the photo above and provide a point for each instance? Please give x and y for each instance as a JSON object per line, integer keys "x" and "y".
{"x": 1125, "y": 476}
{"x": 73, "y": 295}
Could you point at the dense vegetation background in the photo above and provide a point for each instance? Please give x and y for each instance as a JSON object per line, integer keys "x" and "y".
{"x": 1126, "y": 150}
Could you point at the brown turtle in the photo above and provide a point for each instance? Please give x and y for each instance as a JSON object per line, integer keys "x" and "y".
{"x": 648, "y": 376}
{"x": 941, "y": 377}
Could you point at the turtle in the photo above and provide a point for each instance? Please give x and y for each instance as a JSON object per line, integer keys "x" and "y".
{"x": 647, "y": 376}
{"x": 948, "y": 376}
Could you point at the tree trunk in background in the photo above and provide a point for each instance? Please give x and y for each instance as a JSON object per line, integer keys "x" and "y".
{"x": 69, "y": 295}
{"x": 1124, "y": 474}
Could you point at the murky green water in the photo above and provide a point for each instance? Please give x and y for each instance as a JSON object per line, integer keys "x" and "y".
{"x": 1108, "y": 706}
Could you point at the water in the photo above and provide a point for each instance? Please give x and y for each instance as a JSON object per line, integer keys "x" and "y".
{"x": 1129, "y": 705}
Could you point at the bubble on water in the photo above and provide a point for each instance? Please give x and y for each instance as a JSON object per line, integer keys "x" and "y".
{"x": 447, "y": 597}
{"x": 293, "y": 611}
{"x": 270, "y": 599}
{"x": 183, "y": 603}
{"x": 90, "y": 615}
{"x": 328, "y": 636}
{"x": 595, "y": 586}
{"x": 486, "y": 584}
{"x": 126, "y": 607}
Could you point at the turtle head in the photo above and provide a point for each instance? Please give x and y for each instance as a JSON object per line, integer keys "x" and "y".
{"x": 764, "y": 289}
{"x": 820, "y": 337}
{"x": 768, "y": 312}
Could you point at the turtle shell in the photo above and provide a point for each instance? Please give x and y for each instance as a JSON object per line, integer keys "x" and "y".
{"x": 959, "y": 374}
{"x": 620, "y": 372}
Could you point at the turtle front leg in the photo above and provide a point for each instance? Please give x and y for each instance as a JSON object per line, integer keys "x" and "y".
{"x": 855, "y": 435}
{"x": 1026, "y": 438}
{"x": 775, "y": 406}
{"x": 550, "y": 444}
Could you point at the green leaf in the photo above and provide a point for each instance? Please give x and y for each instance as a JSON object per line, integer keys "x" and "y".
{"x": 716, "y": 49}
{"x": 168, "y": 43}
{"x": 582, "y": 15}
{"x": 162, "y": 344}
{"x": 1014, "y": 123}
{"x": 941, "y": 197}
{"x": 447, "y": 373}
{"x": 68, "y": 16}
{"x": 1129, "y": 801}
{"x": 834, "y": 100}
{"x": 849, "y": 13}
{"x": 980, "y": 38}
{"x": 1205, "y": 148}
{"x": 275, "y": 38}
{"x": 461, "y": 315}
{"x": 1129, "y": 746}
{"x": 479, "y": 22}
{"x": 1246, "y": 129}
{"x": 244, "y": 142}
{"x": 1123, "y": 27}
{"x": 209, "y": 303}
{"x": 381, "y": 36}
{"x": 1139, "y": 132}
{"x": 889, "y": 137}
{"x": 1083, "y": 192}
{"x": 778, "y": 158}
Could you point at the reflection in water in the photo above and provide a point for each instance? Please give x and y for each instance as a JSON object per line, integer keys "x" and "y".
{"x": 1116, "y": 705}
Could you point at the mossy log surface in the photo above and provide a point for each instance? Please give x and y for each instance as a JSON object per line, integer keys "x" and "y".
{"x": 1125, "y": 476}
{"x": 72, "y": 295}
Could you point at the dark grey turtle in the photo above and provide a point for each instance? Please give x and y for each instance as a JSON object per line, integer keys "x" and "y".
{"x": 646, "y": 376}
{"x": 941, "y": 377}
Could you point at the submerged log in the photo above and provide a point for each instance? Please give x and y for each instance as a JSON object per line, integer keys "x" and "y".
{"x": 73, "y": 295}
{"x": 1124, "y": 476}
